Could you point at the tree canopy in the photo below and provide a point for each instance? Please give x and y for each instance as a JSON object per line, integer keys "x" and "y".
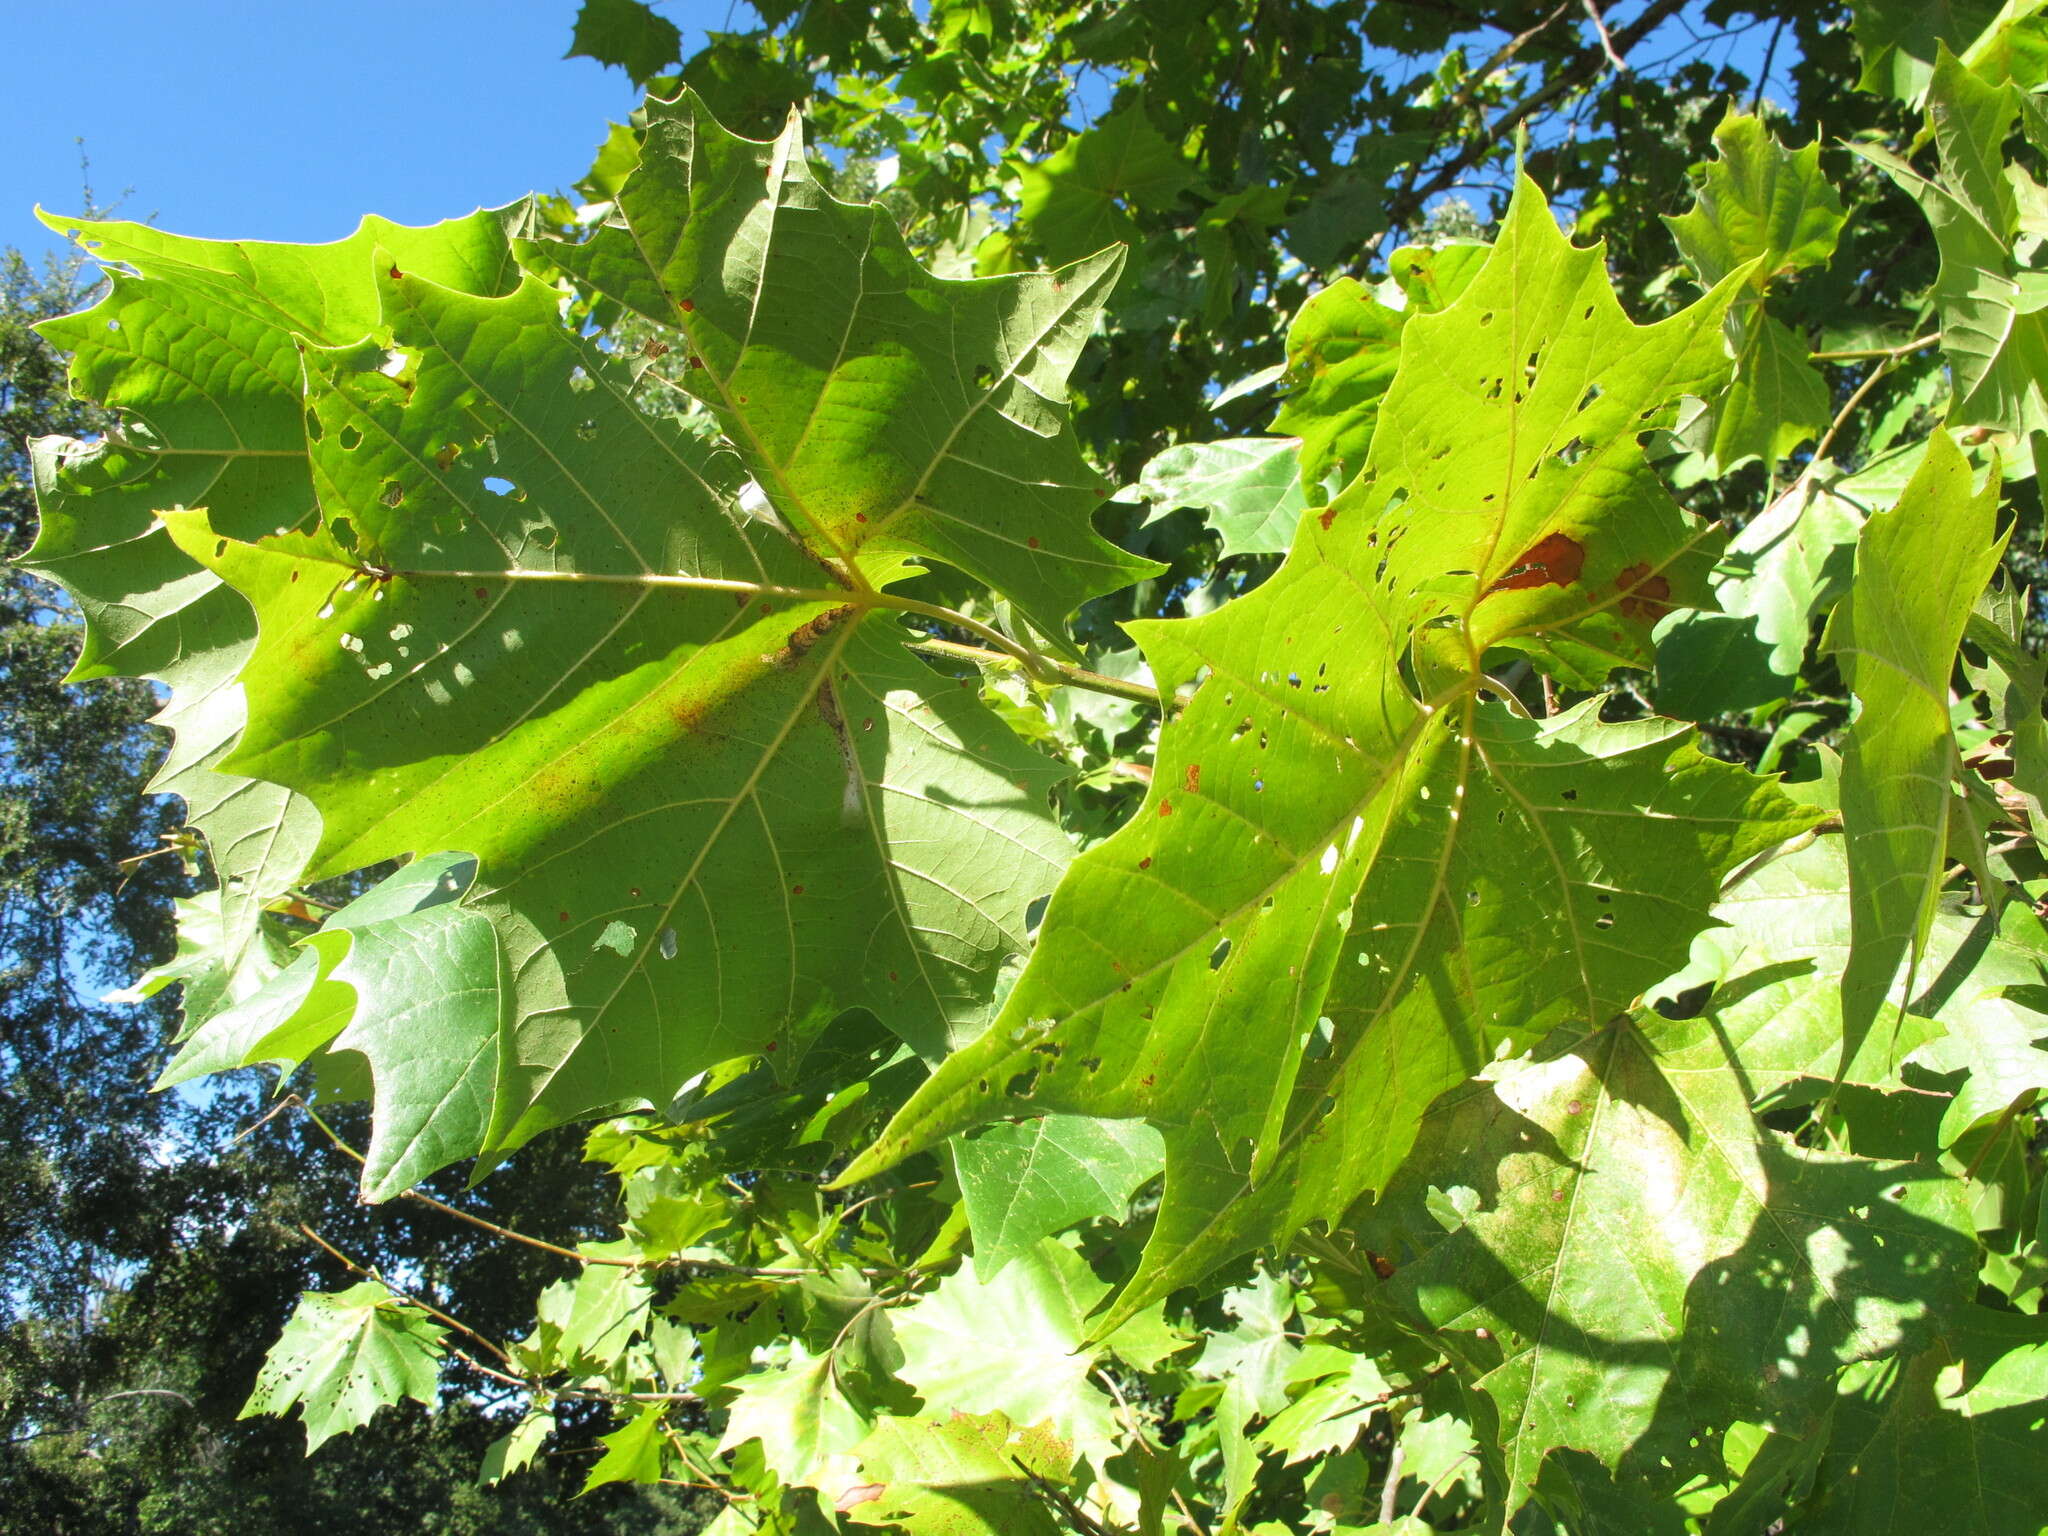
{"x": 1253, "y": 767}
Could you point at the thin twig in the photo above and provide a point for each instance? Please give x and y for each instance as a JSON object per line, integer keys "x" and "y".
{"x": 1756, "y": 96}
{"x": 1393, "y": 1483}
{"x": 1606, "y": 42}
{"x": 1866, "y": 354}
{"x": 1442, "y": 1482}
{"x": 484, "y": 1224}
{"x": 1410, "y": 199}
{"x": 1077, "y": 677}
{"x": 425, "y": 1306}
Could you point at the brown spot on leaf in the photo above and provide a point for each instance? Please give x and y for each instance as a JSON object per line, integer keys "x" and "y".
{"x": 1166, "y": 807}
{"x": 1381, "y": 1264}
{"x": 1644, "y": 596}
{"x": 1326, "y": 517}
{"x": 395, "y": 273}
{"x": 796, "y": 890}
{"x": 1192, "y": 779}
{"x": 687, "y": 306}
{"x": 482, "y": 593}
{"x": 1556, "y": 559}
{"x": 653, "y": 347}
{"x": 1147, "y": 1080}
{"x": 1031, "y": 543}
{"x": 561, "y": 917}
{"x": 445, "y": 455}
{"x": 1146, "y": 862}
{"x": 808, "y": 633}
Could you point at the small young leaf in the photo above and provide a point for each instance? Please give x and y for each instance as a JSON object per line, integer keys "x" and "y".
{"x": 345, "y": 1354}
{"x": 1028, "y": 1180}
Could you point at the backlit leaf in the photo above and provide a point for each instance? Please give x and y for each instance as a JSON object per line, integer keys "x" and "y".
{"x": 1637, "y": 1267}
{"x": 345, "y": 1354}
{"x": 1228, "y": 935}
{"x": 1919, "y": 568}
{"x": 1031, "y": 1179}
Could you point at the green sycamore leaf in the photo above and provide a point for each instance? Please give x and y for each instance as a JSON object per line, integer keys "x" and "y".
{"x": 1759, "y": 205}
{"x": 1994, "y": 332}
{"x": 514, "y": 1452}
{"x": 713, "y": 800}
{"x": 885, "y": 414}
{"x": 1028, "y": 1180}
{"x": 1949, "y": 1439}
{"x": 632, "y": 1452}
{"x": 1253, "y": 1359}
{"x": 1901, "y": 40}
{"x": 1796, "y": 557}
{"x": 345, "y": 1354}
{"x": 1014, "y": 1343}
{"x": 2016, "y": 682}
{"x": 1343, "y": 346}
{"x": 381, "y": 972}
{"x": 625, "y": 34}
{"x": 798, "y": 1413}
{"x": 1073, "y": 202}
{"x": 974, "y": 1475}
{"x": 1638, "y": 1264}
{"x": 1222, "y": 966}
{"x": 1775, "y": 965}
{"x": 1981, "y": 991}
{"x": 1344, "y": 1392}
{"x": 594, "y": 1316}
{"x": 1250, "y": 487}
{"x": 1775, "y": 402}
{"x": 196, "y": 347}
{"x": 1919, "y": 568}
{"x": 1757, "y": 202}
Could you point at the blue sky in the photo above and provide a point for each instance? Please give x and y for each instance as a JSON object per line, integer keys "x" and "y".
{"x": 287, "y": 121}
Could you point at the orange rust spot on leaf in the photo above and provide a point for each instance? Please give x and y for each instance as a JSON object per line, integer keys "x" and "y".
{"x": 1556, "y": 559}
{"x": 1166, "y": 807}
{"x": 1326, "y": 517}
{"x": 1643, "y": 595}
{"x": 1193, "y": 778}
{"x": 686, "y": 305}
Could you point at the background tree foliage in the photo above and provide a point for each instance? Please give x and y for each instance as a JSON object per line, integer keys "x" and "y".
{"x": 1651, "y": 1149}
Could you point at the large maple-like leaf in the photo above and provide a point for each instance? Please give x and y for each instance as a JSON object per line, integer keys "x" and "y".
{"x": 1993, "y": 330}
{"x": 1354, "y": 878}
{"x": 651, "y": 680}
{"x": 196, "y": 348}
{"x": 1919, "y": 567}
{"x": 1621, "y": 1260}
{"x": 886, "y": 413}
